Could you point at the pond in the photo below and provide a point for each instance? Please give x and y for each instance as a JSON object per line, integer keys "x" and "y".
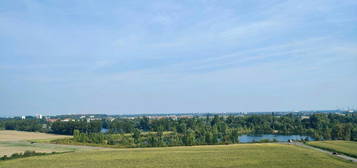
{"x": 245, "y": 138}
{"x": 104, "y": 130}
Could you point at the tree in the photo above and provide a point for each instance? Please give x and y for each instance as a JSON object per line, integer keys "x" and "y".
{"x": 144, "y": 124}
{"x": 76, "y": 135}
{"x": 189, "y": 137}
{"x": 136, "y": 135}
{"x": 234, "y": 136}
{"x": 209, "y": 137}
{"x": 354, "y": 134}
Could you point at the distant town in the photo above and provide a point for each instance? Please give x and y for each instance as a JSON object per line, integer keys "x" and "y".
{"x": 175, "y": 116}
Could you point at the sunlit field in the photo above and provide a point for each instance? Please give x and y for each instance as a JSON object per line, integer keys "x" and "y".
{"x": 225, "y": 156}
{"x": 18, "y": 142}
{"x": 6, "y": 135}
{"x": 345, "y": 147}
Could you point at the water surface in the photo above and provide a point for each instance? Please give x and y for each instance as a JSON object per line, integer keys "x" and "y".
{"x": 245, "y": 138}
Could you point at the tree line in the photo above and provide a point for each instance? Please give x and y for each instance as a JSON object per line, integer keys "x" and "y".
{"x": 143, "y": 131}
{"x": 189, "y": 137}
{"x": 31, "y": 125}
{"x": 318, "y": 126}
{"x": 27, "y": 153}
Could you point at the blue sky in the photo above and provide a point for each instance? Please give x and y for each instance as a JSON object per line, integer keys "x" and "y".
{"x": 163, "y": 56}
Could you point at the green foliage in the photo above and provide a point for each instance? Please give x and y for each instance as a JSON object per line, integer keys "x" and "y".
{"x": 219, "y": 130}
{"x": 33, "y": 125}
{"x": 2, "y": 124}
{"x": 25, "y": 154}
{"x": 67, "y": 128}
{"x": 136, "y": 135}
{"x": 145, "y": 132}
{"x": 265, "y": 141}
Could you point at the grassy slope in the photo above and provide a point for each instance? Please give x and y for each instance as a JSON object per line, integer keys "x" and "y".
{"x": 6, "y": 135}
{"x": 241, "y": 155}
{"x": 345, "y": 147}
{"x": 17, "y": 142}
{"x": 8, "y": 148}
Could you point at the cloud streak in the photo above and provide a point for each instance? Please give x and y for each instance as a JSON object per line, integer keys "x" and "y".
{"x": 177, "y": 56}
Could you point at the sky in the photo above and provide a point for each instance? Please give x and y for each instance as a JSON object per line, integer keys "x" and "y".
{"x": 165, "y": 56}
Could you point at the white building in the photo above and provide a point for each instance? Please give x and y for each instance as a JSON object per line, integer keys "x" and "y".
{"x": 39, "y": 116}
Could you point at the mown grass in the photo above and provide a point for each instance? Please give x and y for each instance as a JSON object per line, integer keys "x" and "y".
{"x": 345, "y": 147}
{"x": 223, "y": 156}
{"x": 8, "y": 135}
{"x": 8, "y": 148}
{"x": 19, "y": 141}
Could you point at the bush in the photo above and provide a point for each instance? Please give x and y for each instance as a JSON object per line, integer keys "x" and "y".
{"x": 25, "y": 154}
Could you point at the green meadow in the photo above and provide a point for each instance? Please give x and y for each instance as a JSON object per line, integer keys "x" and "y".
{"x": 345, "y": 147}
{"x": 223, "y": 156}
{"x": 12, "y": 142}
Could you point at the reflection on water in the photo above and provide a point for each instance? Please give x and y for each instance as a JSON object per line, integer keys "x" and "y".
{"x": 281, "y": 138}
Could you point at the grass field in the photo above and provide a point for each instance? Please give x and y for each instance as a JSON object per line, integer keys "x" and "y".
{"x": 224, "y": 156}
{"x": 6, "y": 135}
{"x": 346, "y": 147}
{"x": 17, "y": 142}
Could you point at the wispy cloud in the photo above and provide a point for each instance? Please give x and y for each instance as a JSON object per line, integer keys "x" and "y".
{"x": 204, "y": 52}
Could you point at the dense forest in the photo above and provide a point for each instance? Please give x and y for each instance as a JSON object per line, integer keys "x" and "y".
{"x": 32, "y": 125}
{"x": 145, "y": 132}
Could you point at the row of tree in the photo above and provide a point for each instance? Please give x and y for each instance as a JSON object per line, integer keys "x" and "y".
{"x": 219, "y": 129}
{"x": 208, "y": 136}
{"x": 319, "y": 126}
{"x": 67, "y": 128}
{"x": 32, "y": 125}
{"x": 26, "y": 154}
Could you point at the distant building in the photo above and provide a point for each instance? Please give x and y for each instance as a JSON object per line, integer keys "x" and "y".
{"x": 185, "y": 116}
{"x": 23, "y": 117}
{"x": 39, "y": 116}
{"x": 305, "y": 117}
{"x": 174, "y": 117}
{"x": 52, "y": 120}
{"x": 67, "y": 119}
